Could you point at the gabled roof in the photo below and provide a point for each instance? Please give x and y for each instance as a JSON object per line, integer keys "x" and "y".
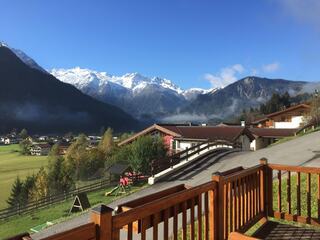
{"x": 229, "y": 133}
{"x": 273, "y": 132}
{"x": 281, "y": 112}
{"x": 165, "y": 129}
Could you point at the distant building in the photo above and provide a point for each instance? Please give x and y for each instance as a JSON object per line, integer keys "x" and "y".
{"x": 181, "y": 137}
{"x": 10, "y": 140}
{"x": 263, "y": 137}
{"x": 40, "y": 149}
{"x": 291, "y": 117}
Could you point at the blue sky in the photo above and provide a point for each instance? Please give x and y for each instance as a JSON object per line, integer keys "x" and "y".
{"x": 193, "y": 43}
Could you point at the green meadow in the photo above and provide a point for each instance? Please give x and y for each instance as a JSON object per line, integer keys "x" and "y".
{"x": 13, "y": 164}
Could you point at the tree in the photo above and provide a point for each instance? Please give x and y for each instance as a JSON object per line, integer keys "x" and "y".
{"x": 15, "y": 198}
{"x": 143, "y": 151}
{"x": 77, "y": 155}
{"x": 40, "y": 189}
{"x": 25, "y": 146}
{"x": 24, "y": 133}
{"x": 28, "y": 186}
{"x": 106, "y": 144}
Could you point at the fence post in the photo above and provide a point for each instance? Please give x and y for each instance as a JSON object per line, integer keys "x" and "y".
{"x": 217, "y": 224}
{"x": 102, "y": 217}
{"x": 268, "y": 188}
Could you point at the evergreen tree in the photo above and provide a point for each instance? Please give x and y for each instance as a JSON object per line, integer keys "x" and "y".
{"x": 143, "y": 151}
{"x": 28, "y": 186}
{"x": 25, "y": 147}
{"x": 15, "y": 198}
{"x": 59, "y": 177}
{"x": 24, "y": 133}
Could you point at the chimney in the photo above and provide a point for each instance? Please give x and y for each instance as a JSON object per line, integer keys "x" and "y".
{"x": 243, "y": 123}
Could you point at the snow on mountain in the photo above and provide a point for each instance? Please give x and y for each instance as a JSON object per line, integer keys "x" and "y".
{"x": 82, "y": 78}
{"x": 24, "y": 57}
{"x": 139, "y": 95}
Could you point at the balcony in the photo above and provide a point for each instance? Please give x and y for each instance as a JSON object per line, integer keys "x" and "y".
{"x": 236, "y": 204}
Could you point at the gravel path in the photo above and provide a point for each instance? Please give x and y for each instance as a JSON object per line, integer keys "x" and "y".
{"x": 301, "y": 151}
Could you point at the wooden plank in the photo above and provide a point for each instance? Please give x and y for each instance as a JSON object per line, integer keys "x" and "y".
{"x": 269, "y": 191}
{"x": 289, "y": 192}
{"x": 238, "y": 204}
{"x": 155, "y": 221}
{"x": 115, "y": 234}
{"x": 309, "y": 195}
{"x": 148, "y": 209}
{"x": 129, "y": 233}
{"x": 175, "y": 222}
{"x": 165, "y": 224}
{"x": 192, "y": 230}
{"x": 296, "y": 218}
{"x": 143, "y": 229}
{"x": 299, "y": 194}
{"x": 240, "y": 236}
{"x": 206, "y": 216}
{"x": 184, "y": 220}
{"x": 279, "y": 191}
{"x": 230, "y": 207}
{"x": 199, "y": 213}
{"x": 300, "y": 169}
{"x": 226, "y": 204}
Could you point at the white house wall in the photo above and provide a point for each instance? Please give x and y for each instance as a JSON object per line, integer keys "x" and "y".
{"x": 295, "y": 123}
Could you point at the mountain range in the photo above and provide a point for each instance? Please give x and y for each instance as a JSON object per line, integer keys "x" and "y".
{"x": 32, "y": 98}
{"x": 109, "y": 100}
{"x": 143, "y": 97}
{"x": 158, "y": 99}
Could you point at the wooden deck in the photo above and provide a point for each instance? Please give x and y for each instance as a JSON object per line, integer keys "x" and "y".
{"x": 275, "y": 230}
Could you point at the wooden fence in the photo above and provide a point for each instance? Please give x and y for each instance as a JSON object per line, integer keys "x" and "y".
{"x": 159, "y": 165}
{"x": 225, "y": 207}
{"x": 51, "y": 199}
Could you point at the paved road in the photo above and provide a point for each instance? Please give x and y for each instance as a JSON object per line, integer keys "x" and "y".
{"x": 301, "y": 151}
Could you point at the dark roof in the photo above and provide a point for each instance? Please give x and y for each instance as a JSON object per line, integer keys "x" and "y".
{"x": 118, "y": 168}
{"x": 154, "y": 127}
{"x": 273, "y": 132}
{"x": 229, "y": 133}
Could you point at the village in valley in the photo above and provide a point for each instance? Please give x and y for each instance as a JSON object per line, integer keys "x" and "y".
{"x": 159, "y": 120}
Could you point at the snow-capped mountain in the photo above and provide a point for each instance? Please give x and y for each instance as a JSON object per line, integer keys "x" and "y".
{"x": 24, "y": 57}
{"x": 139, "y": 95}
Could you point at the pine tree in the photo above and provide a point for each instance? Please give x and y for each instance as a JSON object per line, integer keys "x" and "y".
{"x": 15, "y": 198}
{"x": 27, "y": 188}
{"x": 40, "y": 188}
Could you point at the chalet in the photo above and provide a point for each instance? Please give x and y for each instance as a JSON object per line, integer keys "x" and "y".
{"x": 10, "y": 140}
{"x": 263, "y": 137}
{"x": 291, "y": 117}
{"x": 180, "y": 137}
{"x": 40, "y": 149}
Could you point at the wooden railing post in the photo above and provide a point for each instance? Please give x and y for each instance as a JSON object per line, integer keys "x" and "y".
{"x": 102, "y": 217}
{"x": 216, "y": 226}
{"x": 268, "y": 188}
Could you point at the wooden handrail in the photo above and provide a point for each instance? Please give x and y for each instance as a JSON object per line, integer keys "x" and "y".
{"x": 147, "y": 209}
{"x": 300, "y": 169}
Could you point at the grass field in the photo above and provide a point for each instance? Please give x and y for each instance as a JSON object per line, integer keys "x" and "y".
{"x": 13, "y": 164}
{"x": 56, "y": 213}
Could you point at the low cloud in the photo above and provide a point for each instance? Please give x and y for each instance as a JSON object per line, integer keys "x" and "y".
{"x": 225, "y": 76}
{"x": 270, "y": 68}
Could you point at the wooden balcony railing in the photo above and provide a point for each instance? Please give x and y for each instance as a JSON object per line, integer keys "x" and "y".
{"x": 223, "y": 208}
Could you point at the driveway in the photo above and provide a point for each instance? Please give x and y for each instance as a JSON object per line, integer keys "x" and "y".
{"x": 301, "y": 151}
